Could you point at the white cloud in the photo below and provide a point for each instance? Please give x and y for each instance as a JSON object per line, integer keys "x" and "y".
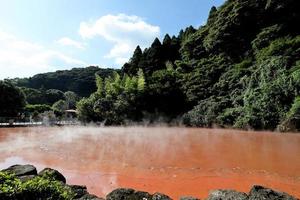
{"x": 125, "y": 32}
{"x": 19, "y": 58}
{"x": 65, "y": 41}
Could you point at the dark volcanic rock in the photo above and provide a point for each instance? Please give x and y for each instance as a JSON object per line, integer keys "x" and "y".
{"x": 128, "y": 194}
{"x": 159, "y": 196}
{"x": 27, "y": 172}
{"x": 260, "y": 192}
{"x": 53, "y": 174}
{"x": 79, "y": 190}
{"x": 26, "y": 178}
{"x": 227, "y": 195}
{"x": 189, "y": 198}
{"x": 21, "y": 170}
{"x": 89, "y": 197}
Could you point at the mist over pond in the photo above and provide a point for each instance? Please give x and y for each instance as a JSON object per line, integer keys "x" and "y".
{"x": 175, "y": 161}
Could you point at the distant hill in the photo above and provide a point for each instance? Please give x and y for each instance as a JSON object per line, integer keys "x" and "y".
{"x": 79, "y": 80}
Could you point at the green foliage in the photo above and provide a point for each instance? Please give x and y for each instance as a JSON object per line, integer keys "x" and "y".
{"x": 266, "y": 36}
{"x": 115, "y": 102}
{"x": 291, "y": 121}
{"x": 270, "y": 80}
{"x": 198, "y": 84}
{"x": 9, "y": 185}
{"x": 241, "y": 69}
{"x": 206, "y": 113}
{"x": 71, "y": 99}
{"x": 260, "y": 52}
{"x": 99, "y": 84}
{"x": 155, "y": 57}
{"x": 78, "y": 80}
{"x": 40, "y": 187}
{"x": 285, "y": 46}
{"x": 59, "y": 107}
{"x": 12, "y": 188}
{"x": 85, "y": 108}
{"x": 33, "y": 96}
{"x": 223, "y": 73}
{"x": 141, "y": 81}
{"x": 133, "y": 65}
{"x": 53, "y": 96}
{"x": 164, "y": 95}
{"x": 39, "y": 108}
{"x": 42, "y": 96}
{"x": 12, "y": 100}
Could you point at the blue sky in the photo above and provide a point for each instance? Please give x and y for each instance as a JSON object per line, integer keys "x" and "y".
{"x": 47, "y": 35}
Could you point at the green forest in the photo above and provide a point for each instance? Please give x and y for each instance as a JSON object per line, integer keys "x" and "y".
{"x": 239, "y": 70}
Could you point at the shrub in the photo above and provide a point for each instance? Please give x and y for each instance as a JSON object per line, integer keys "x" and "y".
{"x": 38, "y": 108}
{"x": 292, "y": 119}
{"x": 12, "y": 188}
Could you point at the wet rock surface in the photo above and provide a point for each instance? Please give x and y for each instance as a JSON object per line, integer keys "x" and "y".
{"x": 22, "y": 170}
{"x": 27, "y": 172}
{"x": 130, "y": 194}
{"x": 53, "y": 174}
{"x": 127, "y": 194}
{"x": 159, "y": 196}
{"x": 89, "y": 197}
{"x": 227, "y": 195}
{"x": 188, "y": 198}
{"x": 79, "y": 190}
{"x": 260, "y": 192}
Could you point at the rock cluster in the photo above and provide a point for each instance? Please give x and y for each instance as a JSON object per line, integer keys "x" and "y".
{"x": 26, "y": 172}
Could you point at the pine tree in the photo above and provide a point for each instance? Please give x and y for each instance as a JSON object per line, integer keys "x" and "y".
{"x": 167, "y": 40}
{"x": 212, "y": 14}
{"x": 153, "y": 58}
{"x": 132, "y": 67}
{"x": 136, "y": 56}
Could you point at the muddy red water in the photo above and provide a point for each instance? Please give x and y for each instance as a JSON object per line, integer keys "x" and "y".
{"x": 174, "y": 161}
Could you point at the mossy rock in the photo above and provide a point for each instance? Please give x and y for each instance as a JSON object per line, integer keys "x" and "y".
{"x": 52, "y": 174}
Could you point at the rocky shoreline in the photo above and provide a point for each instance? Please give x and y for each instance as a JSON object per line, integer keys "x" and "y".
{"x": 23, "y": 182}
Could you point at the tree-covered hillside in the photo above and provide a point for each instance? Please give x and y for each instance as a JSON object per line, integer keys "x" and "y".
{"x": 79, "y": 80}
{"x": 12, "y": 100}
{"x": 241, "y": 69}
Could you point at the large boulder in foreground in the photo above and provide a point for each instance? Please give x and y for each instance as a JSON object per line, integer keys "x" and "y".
{"x": 260, "y": 192}
{"x": 89, "y": 197}
{"x": 22, "y": 170}
{"x": 130, "y": 194}
{"x": 227, "y": 195}
{"x": 159, "y": 196}
{"x": 52, "y": 174}
{"x": 188, "y": 198}
{"x": 78, "y": 190}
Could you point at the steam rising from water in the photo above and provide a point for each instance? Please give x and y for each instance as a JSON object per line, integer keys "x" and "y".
{"x": 161, "y": 159}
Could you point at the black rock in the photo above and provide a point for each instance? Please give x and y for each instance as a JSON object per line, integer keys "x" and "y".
{"x": 21, "y": 170}
{"x": 89, "y": 197}
{"x": 79, "y": 190}
{"x": 189, "y": 198}
{"x": 159, "y": 196}
{"x": 227, "y": 195}
{"x": 26, "y": 178}
{"x": 120, "y": 193}
{"x": 52, "y": 174}
{"x": 128, "y": 194}
{"x": 259, "y": 192}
